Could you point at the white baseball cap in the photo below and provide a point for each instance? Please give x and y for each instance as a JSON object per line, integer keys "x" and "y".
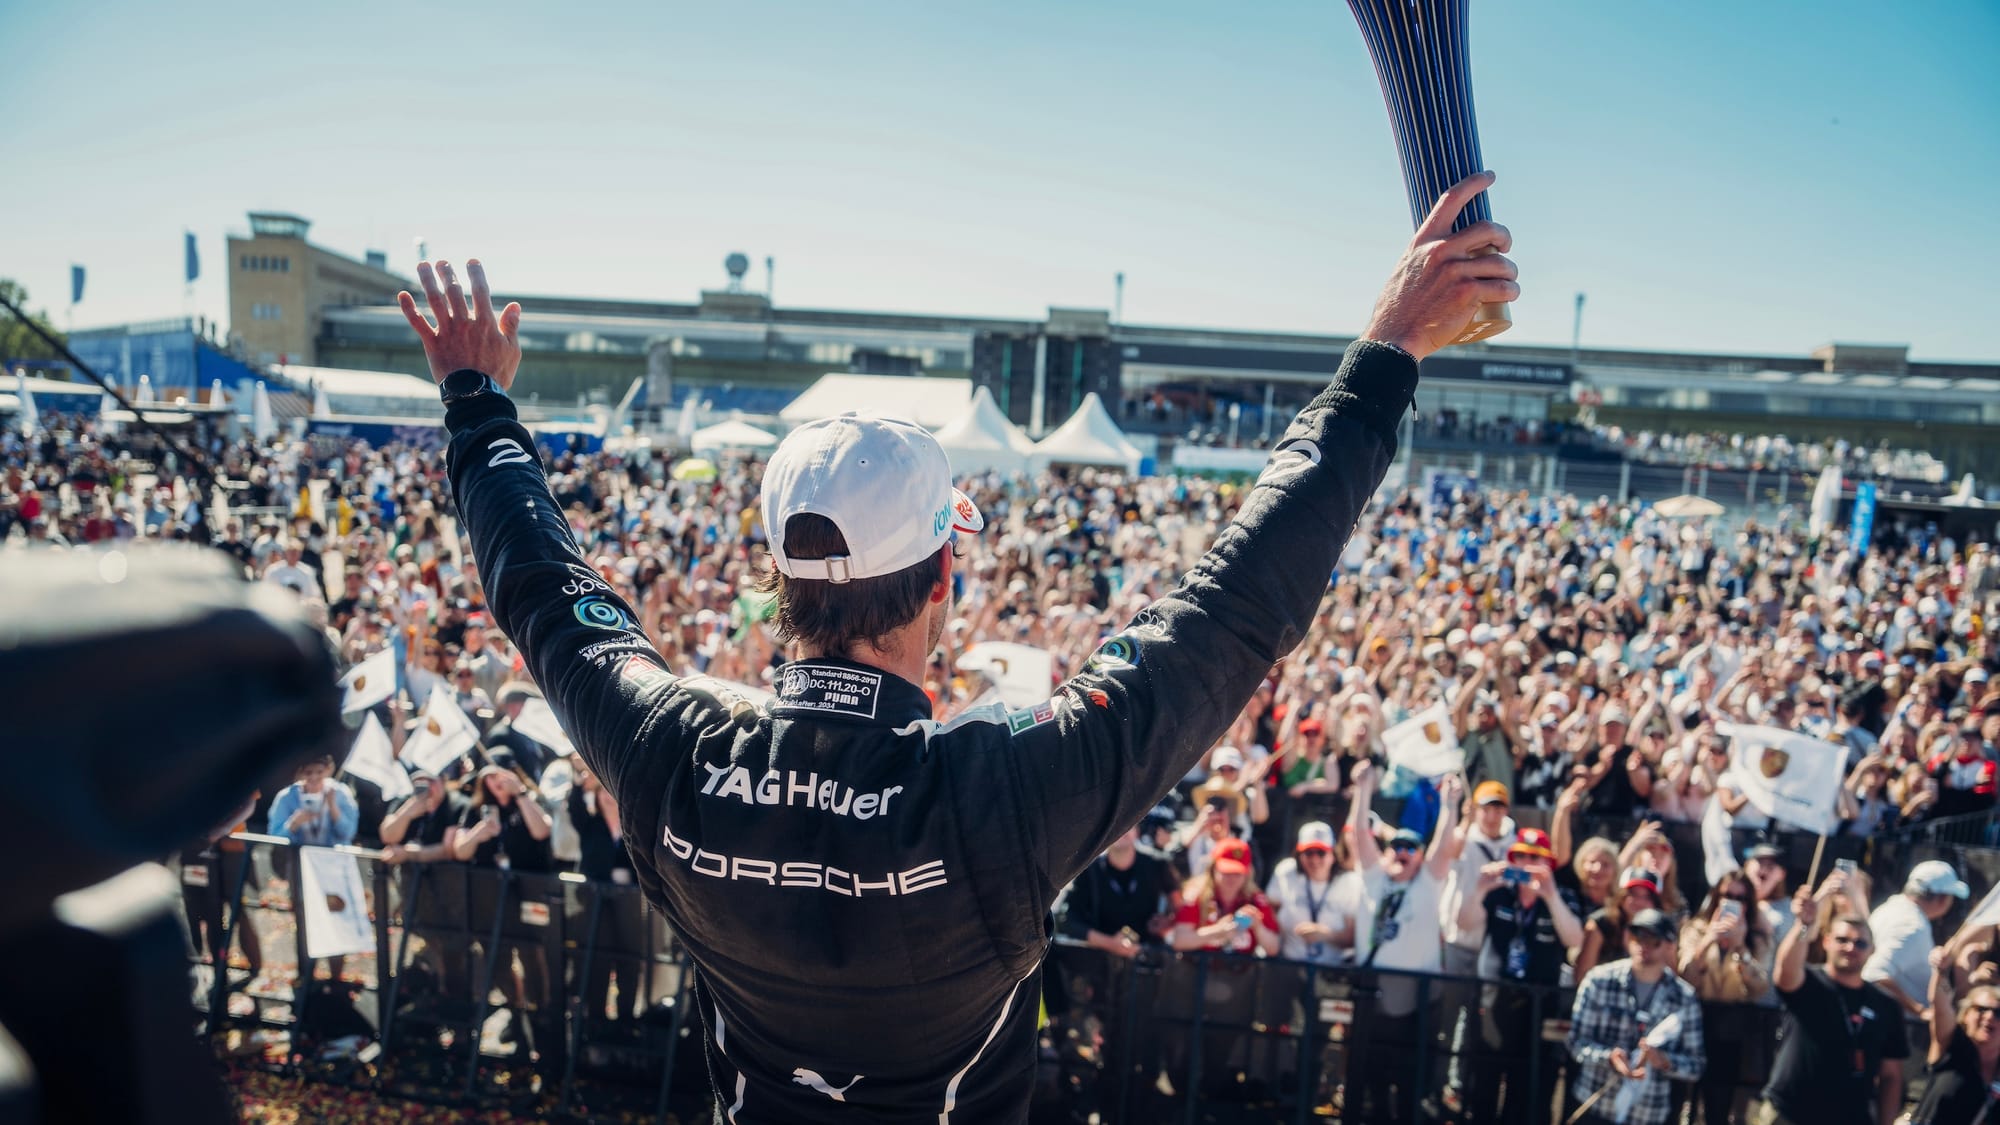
{"x": 1315, "y": 834}
{"x": 885, "y": 484}
{"x": 1936, "y": 877}
{"x": 1227, "y": 757}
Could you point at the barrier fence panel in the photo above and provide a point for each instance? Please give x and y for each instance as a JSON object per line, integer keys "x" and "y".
{"x": 553, "y": 995}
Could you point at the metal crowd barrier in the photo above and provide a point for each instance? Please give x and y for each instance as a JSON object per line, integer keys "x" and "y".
{"x": 1165, "y": 1037}
{"x": 1214, "y": 1036}
{"x": 599, "y": 1016}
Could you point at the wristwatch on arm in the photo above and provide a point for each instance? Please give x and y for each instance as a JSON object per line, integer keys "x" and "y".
{"x": 465, "y": 383}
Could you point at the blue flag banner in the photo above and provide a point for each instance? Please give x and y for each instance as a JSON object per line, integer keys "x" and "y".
{"x": 1861, "y": 528}
{"x": 75, "y": 284}
{"x": 193, "y": 258}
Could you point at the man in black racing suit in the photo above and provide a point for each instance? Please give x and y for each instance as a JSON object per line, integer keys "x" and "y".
{"x": 863, "y": 890}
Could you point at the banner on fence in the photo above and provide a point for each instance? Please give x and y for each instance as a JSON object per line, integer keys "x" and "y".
{"x": 334, "y": 902}
{"x": 1789, "y": 777}
{"x": 1425, "y": 744}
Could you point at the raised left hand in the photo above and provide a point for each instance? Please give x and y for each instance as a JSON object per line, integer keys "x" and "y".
{"x": 464, "y": 336}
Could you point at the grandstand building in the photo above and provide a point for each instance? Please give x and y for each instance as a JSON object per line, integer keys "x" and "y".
{"x": 731, "y": 347}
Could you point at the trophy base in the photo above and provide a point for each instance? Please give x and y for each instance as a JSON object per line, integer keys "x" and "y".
{"x": 1491, "y": 320}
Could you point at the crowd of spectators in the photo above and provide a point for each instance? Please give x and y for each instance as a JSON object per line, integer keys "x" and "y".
{"x": 1765, "y": 452}
{"x": 1587, "y": 653}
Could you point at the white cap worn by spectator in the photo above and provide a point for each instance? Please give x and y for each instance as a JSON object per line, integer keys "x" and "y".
{"x": 1227, "y": 757}
{"x": 884, "y": 484}
{"x": 1482, "y": 634}
{"x": 1315, "y": 834}
{"x": 1936, "y": 877}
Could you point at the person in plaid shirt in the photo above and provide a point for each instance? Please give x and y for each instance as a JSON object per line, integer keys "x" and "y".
{"x": 1616, "y": 1007}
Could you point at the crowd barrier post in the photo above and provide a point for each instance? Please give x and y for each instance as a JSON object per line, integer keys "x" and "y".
{"x": 579, "y": 990}
{"x": 392, "y": 987}
{"x": 1128, "y": 1024}
{"x": 489, "y": 967}
{"x": 1192, "y": 1094}
{"x": 683, "y": 992}
{"x": 1534, "y": 1047}
{"x": 381, "y": 885}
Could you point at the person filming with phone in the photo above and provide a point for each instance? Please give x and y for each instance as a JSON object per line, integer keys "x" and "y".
{"x": 1531, "y": 925}
{"x": 315, "y": 809}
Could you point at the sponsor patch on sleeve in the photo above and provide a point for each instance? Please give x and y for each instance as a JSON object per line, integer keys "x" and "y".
{"x": 1029, "y": 718}
{"x": 1121, "y": 651}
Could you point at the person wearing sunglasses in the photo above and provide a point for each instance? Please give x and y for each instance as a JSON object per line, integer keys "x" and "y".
{"x": 1841, "y": 1052}
{"x": 1964, "y": 1058}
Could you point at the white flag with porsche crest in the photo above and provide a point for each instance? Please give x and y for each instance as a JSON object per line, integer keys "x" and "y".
{"x": 1789, "y": 777}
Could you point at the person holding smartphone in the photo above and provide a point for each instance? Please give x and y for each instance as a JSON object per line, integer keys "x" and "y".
{"x": 315, "y": 809}
{"x": 1531, "y": 924}
{"x": 1725, "y": 953}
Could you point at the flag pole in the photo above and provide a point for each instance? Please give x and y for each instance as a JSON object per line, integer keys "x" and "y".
{"x": 1818, "y": 849}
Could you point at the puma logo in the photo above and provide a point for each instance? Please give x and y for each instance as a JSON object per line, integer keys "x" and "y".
{"x": 811, "y": 1080}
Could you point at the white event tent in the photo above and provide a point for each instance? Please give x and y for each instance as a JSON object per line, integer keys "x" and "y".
{"x": 982, "y": 440}
{"x": 1090, "y": 437}
{"x": 928, "y": 402}
{"x": 732, "y": 434}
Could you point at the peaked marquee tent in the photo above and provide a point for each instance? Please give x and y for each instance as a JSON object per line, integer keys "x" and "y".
{"x": 929, "y": 402}
{"x": 982, "y": 440}
{"x": 733, "y": 434}
{"x": 1090, "y": 437}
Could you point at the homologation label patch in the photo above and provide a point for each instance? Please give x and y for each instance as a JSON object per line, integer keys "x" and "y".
{"x": 831, "y": 689}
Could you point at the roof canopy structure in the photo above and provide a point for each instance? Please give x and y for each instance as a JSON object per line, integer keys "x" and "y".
{"x": 928, "y": 402}
{"x": 1090, "y": 437}
{"x": 982, "y": 440}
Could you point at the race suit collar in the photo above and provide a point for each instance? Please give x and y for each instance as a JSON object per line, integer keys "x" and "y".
{"x": 831, "y": 688}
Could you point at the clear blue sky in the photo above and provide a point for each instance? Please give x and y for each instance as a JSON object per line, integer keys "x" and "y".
{"x": 1716, "y": 174}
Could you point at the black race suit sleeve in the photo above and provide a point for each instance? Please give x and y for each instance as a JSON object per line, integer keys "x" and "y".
{"x": 1155, "y": 697}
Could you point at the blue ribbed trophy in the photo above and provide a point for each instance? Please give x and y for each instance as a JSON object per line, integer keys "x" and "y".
{"x": 1419, "y": 52}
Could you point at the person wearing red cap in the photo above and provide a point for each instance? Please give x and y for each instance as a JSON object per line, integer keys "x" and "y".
{"x": 1222, "y": 909}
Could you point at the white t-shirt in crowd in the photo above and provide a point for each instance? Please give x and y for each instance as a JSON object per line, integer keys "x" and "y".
{"x": 1480, "y": 850}
{"x": 1297, "y": 900}
{"x": 1903, "y": 946}
{"x": 1411, "y": 938}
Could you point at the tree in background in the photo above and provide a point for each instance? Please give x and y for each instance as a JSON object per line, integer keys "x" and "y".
{"x": 17, "y": 340}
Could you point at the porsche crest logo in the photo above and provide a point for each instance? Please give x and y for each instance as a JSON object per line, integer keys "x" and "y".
{"x": 360, "y": 683}
{"x": 1773, "y": 762}
{"x": 1432, "y": 733}
{"x": 335, "y": 904}
{"x": 432, "y": 726}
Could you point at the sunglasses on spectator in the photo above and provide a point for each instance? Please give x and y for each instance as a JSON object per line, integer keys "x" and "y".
{"x": 1404, "y": 846}
{"x": 1856, "y": 942}
{"x": 1987, "y": 1009}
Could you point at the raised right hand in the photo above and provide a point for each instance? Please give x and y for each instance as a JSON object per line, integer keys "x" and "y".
{"x": 1363, "y": 773}
{"x": 1805, "y": 908}
{"x": 468, "y": 336}
{"x": 1443, "y": 278}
